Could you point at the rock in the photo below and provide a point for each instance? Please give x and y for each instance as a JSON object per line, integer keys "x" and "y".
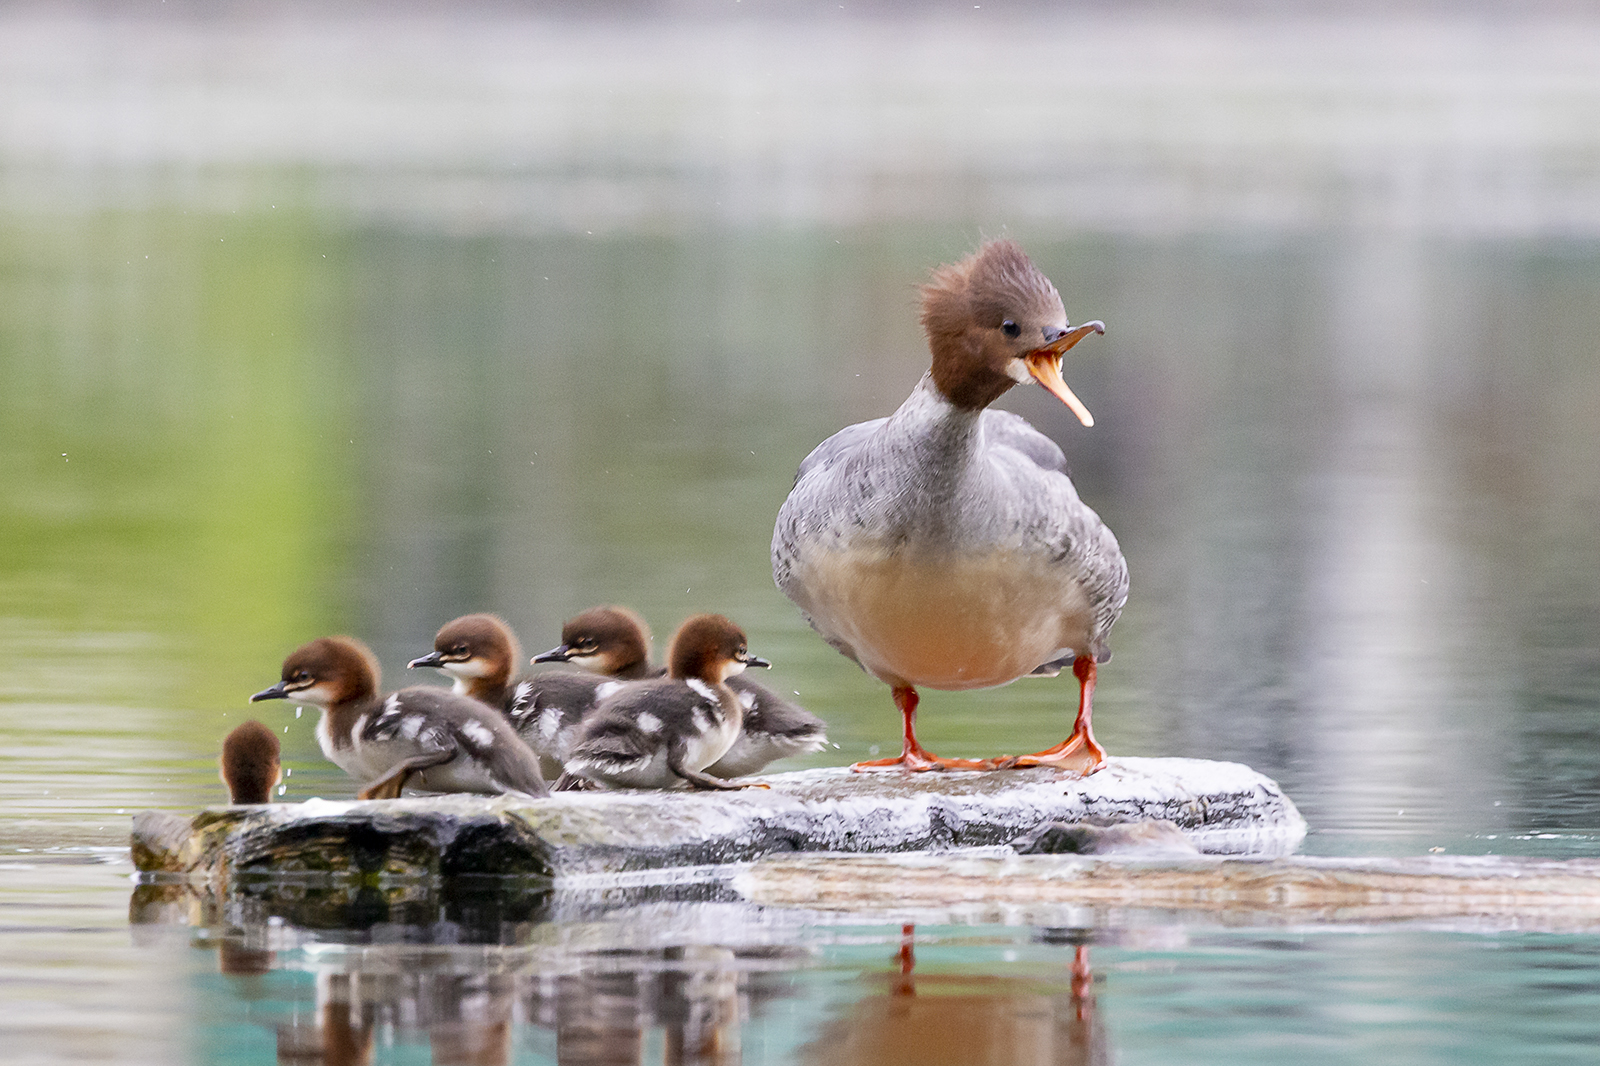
{"x": 1218, "y": 808}
{"x": 1147, "y": 840}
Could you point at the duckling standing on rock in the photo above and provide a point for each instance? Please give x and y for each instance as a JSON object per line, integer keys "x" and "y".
{"x": 945, "y": 546}
{"x": 665, "y": 732}
{"x": 249, "y": 764}
{"x": 451, "y": 743}
{"x": 479, "y": 652}
{"x": 614, "y": 641}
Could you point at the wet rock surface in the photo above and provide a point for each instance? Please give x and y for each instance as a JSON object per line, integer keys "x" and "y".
{"x": 1217, "y": 808}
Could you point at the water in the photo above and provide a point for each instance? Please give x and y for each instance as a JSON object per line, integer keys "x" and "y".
{"x": 300, "y": 336}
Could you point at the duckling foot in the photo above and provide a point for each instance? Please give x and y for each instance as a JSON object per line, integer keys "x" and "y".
{"x": 913, "y": 756}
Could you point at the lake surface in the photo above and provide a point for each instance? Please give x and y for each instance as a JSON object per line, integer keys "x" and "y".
{"x": 337, "y": 323}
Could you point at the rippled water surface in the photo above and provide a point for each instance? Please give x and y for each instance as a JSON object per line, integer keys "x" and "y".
{"x": 341, "y": 323}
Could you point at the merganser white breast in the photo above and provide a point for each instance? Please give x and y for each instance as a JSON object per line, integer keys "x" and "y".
{"x": 665, "y": 732}
{"x": 615, "y": 642}
{"x": 945, "y": 546}
{"x": 450, "y": 743}
{"x": 480, "y": 652}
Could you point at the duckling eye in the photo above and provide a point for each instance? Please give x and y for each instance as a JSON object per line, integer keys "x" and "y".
{"x": 1010, "y": 328}
{"x": 300, "y": 675}
{"x": 459, "y": 649}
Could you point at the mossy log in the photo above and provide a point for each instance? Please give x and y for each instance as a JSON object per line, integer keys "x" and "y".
{"x": 1220, "y": 808}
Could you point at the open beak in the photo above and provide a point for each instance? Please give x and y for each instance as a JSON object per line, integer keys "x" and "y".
{"x": 558, "y": 654}
{"x": 276, "y": 692}
{"x": 1045, "y": 366}
{"x": 433, "y": 658}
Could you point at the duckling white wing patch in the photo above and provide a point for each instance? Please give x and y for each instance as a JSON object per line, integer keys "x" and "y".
{"x": 522, "y": 697}
{"x": 549, "y": 724}
{"x": 607, "y": 689}
{"x": 478, "y": 733}
{"x": 647, "y": 722}
{"x": 702, "y": 688}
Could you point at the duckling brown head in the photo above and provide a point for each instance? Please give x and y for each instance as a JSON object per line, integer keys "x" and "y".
{"x": 249, "y": 765}
{"x": 327, "y": 672}
{"x": 709, "y": 648}
{"x": 613, "y": 641}
{"x": 994, "y": 321}
{"x": 478, "y": 651}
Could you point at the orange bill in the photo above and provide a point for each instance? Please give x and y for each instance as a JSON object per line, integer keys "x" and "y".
{"x": 1045, "y": 366}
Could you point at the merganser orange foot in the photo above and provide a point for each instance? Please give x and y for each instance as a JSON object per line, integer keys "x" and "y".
{"x": 945, "y": 545}
{"x": 449, "y": 742}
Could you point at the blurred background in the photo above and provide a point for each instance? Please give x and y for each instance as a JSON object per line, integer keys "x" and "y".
{"x": 354, "y": 318}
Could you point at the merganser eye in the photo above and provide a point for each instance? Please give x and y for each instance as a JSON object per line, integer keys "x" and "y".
{"x": 1010, "y": 328}
{"x": 459, "y": 649}
{"x": 300, "y": 675}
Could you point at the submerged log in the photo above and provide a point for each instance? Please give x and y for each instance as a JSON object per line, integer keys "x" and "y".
{"x": 1220, "y": 808}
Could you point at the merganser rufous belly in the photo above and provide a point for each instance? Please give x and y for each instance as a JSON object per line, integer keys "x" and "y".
{"x": 614, "y": 641}
{"x": 665, "y": 732}
{"x": 480, "y": 652}
{"x": 945, "y": 546}
{"x": 249, "y": 765}
{"x": 449, "y": 742}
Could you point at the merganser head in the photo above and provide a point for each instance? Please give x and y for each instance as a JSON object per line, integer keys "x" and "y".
{"x": 709, "y": 648}
{"x": 327, "y": 672}
{"x": 606, "y": 640}
{"x": 249, "y": 764}
{"x": 474, "y": 648}
{"x": 993, "y": 321}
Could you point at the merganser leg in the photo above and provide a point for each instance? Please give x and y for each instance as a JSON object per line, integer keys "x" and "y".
{"x": 913, "y": 756}
{"x": 389, "y": 786}
{"x": 703, "y": 780}
{"x": 1080, "y": 751}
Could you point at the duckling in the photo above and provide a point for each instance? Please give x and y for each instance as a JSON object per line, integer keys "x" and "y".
{"x": 664, "y": 732}
{"x": 452, "y": 744}
{"x": 615, "y": 642}
{"x": 249, "y": 763}
{"x": 945, "y": 546}
{"x": 479, "y": 653}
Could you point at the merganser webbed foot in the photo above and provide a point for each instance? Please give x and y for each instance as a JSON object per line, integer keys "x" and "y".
{"x": 479, "y": 653}
{"x": 614, "y": 641}
{"x": 945, "y": 546}
{"x": 913, "y": 756}
{"x": 447, "y": 742}
{"x": 665, "y": 732}
{"x": 1080, "y": 753}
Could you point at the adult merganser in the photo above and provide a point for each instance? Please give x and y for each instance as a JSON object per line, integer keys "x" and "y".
{"x": 249, "y": 764}
{"x": 665, "y": 732}
{"x": 451, "y": 743}
{"x": 479, "y": 652}
{"x": 614, "y": 641}
{"x": 945, "y": 546}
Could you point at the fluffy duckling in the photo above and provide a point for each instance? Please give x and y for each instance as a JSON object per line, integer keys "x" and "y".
{"x": 451, "y": 743}
{"x": 945, "y": 546}
{"x": 615, "y": 642}
{"x": 479, "y": 652}
{"x": 664, "y": 732}
{"x": 249, "y": 764}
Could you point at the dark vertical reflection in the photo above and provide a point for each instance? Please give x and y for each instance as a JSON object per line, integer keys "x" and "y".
{"x": 962, "y": 1018}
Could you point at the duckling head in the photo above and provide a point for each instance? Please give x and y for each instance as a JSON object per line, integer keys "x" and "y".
{"x": 474, "y": 649}
{"x": 709, "y": 648}
{"x": 607, "y": 640}
{"x": 327, "y": 672}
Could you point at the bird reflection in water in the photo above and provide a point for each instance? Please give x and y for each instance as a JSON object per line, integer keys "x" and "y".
{"x": 964, "y": 1020}
{"x": 601, "y": 1016}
